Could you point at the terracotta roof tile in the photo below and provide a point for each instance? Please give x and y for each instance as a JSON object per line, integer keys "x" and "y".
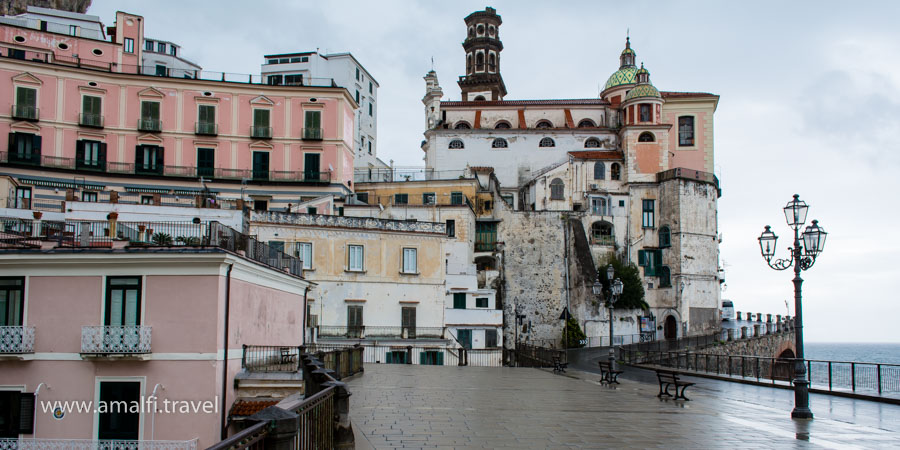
{"x": 667, "y": 94}
{"x": 247, "y": 408}
{"x": 598, "y": 154}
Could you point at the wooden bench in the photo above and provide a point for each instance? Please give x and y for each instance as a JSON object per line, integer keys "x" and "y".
{"x": 607, "y": 375}
{"x": 559, "y": 365}
{"x": 671, "y": 378}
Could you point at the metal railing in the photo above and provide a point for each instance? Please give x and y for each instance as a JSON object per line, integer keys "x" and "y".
{"x": 534, "y": 356}
{"x": 125, "y": 339}
{"x": 312, "y": 134}
{"x": 151, "y": 125}
{"x": 16, "y": 339}
{"x": 388, "y": 175}
{"x": 87, "y": 444}
{"x": 206, "y": 129}
{"x": 374, "y": 353}
{"x": 381, "y": 332}
{"x": 260, "y": 132}
{"x": 31, "y": 157}
{"x": 485, "y": 246}
{"x": 344, "y": 362}
{"x": 690, "y": 342}
{"x": 271, "y": 358}
{"x": 598, "y": 239}
{"x": 368, "y": 223}
{"x": 90, "y": 120}
{"x": 37, "y": 204}
{"x": 25, "y": 112}
{"x": 834, "y": 376}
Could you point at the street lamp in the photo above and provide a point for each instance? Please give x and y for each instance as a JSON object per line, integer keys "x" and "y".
{"x": 802, "y": 257}
{"x": 615, "y": 289}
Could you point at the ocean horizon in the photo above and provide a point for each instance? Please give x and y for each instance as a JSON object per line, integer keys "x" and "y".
{"x": 873, "y": 352}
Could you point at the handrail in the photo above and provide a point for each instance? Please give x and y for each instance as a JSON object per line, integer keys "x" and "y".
{"x": 244, "y": 438}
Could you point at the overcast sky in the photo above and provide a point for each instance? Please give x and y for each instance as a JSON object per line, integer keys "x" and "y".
{"x": 810, "y": 104}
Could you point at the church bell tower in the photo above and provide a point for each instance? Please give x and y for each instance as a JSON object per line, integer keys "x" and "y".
{"x": 482, "y": 81}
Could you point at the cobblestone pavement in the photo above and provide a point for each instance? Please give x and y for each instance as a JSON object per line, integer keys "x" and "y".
{"x": 483, "y": 407}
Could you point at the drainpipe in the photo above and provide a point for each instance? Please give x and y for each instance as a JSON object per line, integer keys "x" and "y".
{"x": 566, "y": 265}
{"x": 36, "y": 393}
{"x": 153, "y": 416}
{"x": 224, "y": 431}
{"x": 306, "y": 316}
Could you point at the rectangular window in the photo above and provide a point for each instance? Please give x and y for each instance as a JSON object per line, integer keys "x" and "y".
{"x": 481, "y": 302}
{"x": 16, "y": 414}
{"x": 146, "y": 199}
{"x": 357, "y": 73}
{"x": 370, "y": 108}
{"x": 24, "y": 148}
{"x": 355, "y": 256}
{"x": 89, "y": 197}
{"x": 148, "y": 46}
{"x": 294, "y": 80}
{"x": 11, "y": 301}
{"x": 428, "y": 198}
{"x": 26, "y": 103}
{"x": 148, "y": 159}
{"x": 431, "y": 358}
{"x": 651, "y": 261}
{"x": 311, "y": 210}
{"x": 206, "y": 162}
{"x": 395, "y": 357}
{"x": 465, "y": 338}
{"x": 451, "y": 228}
{"x": 150, "y": 117}
{"x": 409, "y": 260}
{"x": 370, "y": 146}
{"x": 161, "y": 47}
{"x": 311, "y": 166}
{"x": 275, "y": 80}
{"x": 312, "y": 125}
{"x": 119, "y": 423}
{"x": 648, "y": 213}
{"x": 304, "y": 252}
{"x": 90, "y": 155}
{"x": 173, "y": 50}
{"x": 354, "y": 321}
{"x": 261, "y": 127}
{"x": 23, "y": 198}
{"x": 401, "y": 199}
{"x": 644, "y": 113}
{"x": 276, "y": 246}
{"x": 161, "y": 70}
{"x": 129, "y": 45}
{"x": 485, "y": 236}
{"x": 206, "y": 114}
{"x": 123, "y": 301}
{"x": 73, "y": 30}
{"x": 599, "y": 206}
{"x": 362, "y": 197}
{"x": 260, "y": 165}
{"x": 357, "y": 97}
{"x": 456, "y": 198}
{"x": 90, "y": 111}
{"x": 408, "y": 322}
{"x": 490, "y": 338}
{"x": 260, "y": 205}
{"x": 459, "y": 300}
{"x": 370, "y": 87}
{"x": 685, "y": 131}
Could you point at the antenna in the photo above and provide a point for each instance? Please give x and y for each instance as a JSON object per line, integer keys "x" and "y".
{"x": 432, "y": 63}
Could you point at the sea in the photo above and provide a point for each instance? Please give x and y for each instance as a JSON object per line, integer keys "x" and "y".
{"x": 853, "y": 352}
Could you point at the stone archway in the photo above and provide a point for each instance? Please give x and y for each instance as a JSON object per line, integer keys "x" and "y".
{"x": 670, "y": 328}
{"x": 783, "y": 365}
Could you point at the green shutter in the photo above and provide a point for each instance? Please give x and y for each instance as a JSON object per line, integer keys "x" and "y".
{"x": 313, "y": 119}
{"x": 440, "y": 358}
{"x": 260, "y": 117}
{"x": 459, "y": 301}
{"x": 642, "y": 258}
{"x": 423, "y": 358}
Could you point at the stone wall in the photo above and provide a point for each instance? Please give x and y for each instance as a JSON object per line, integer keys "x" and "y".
{"x": 765, "y": 345}
{"x": 13, "y": 7}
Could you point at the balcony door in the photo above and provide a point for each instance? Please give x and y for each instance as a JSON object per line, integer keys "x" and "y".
{"x": 311, "y": 163}
{"x": 354, "y": 321}
{"x": 123, "y": 301}
{"x": 11, "y": 308}
{"x": 408, "y": 321}
{"x": 260, "y": 165}
{"x": 464, "y": 337}
{"x": 206, "y": 162}
{"x": 117, "y": 422}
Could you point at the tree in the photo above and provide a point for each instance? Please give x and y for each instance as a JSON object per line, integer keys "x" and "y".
{"x": 633, "y": 289}
{"x": 572, "y": 334}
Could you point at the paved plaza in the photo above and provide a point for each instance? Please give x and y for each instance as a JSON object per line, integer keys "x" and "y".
{"x": 413, "y": 406}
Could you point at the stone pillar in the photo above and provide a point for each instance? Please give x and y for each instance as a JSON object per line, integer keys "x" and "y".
{"x": 36, "y": 223}
{"x": 759, "y": 317}
{"x": 755, "y": 330}
{"x": 343, "y": 429}
{"x": 730, "y": 334}
{"x": 409, "y": 354}
{"x": 744, "y": 332}
{"x": 737, "y": 316}
{"x": 284, "y": 428}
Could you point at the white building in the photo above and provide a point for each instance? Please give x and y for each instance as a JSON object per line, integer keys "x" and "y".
{"x": 346, "y": 71}
{"x": 164, "y": 58}
{"x": 60, "y": 22}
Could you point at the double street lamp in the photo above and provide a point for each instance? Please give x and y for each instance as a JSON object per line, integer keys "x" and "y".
{"x": 615, "y": 290}
{"x": 802, "y": 257}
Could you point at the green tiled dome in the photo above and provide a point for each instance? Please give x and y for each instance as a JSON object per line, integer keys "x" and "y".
{"x": 642, "y": 90}
{"x": 625, "y": 75}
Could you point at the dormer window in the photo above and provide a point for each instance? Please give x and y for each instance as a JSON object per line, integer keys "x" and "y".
{"x": 148, "y": 46}
{"x": 592, "y": 143}
{"x": 161, "y": 47}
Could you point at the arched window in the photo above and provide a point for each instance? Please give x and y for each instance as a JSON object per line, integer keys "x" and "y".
{"x": 646, "y": 137}
{"x": 479, "y": 98}
{"x": 499, "y": 143}
{"x": 547, "y": 142}
{"x": 463, "y": 125}
{"x": 502, "y": 125}
{"x": 599, "y": 170}
{"x": 469, "y": 63}
{"x": 592, "y": 143}
{"x": 665, "y": 277}
{"x": 557, "y": 189}
{"x": 665, "y": 236}
{"x": 602, "y": 233}
{"x": 544, "y": 124}
{"x": 492, "y": 63}
{"x": 587, "y": 123}
{"x": 479, "y": 62}
{"x": 456, "y": 144}
{"x": 615, "y": 172}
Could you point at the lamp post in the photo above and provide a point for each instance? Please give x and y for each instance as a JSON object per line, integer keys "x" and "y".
{"x": 615, "y": 289}
{"x": 802, "y": 257}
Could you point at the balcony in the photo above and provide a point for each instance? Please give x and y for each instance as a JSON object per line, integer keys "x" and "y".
{"x": 380, "y": 332}
{"x": 261, "y": 132}
{"x": 115, "y": 340}
{"x": 149, "y": 125}
{"x": 312, "y": 134}
{"x": 270, "y": 358}
{"x": 89, "y": 164}
{"x": 260, "y": 175}
{"x": 146, "y": 169}
{"x": 87, "y": 444}
{"x": 25, "y": 112}
{"x": 90, "y": 120}
{"x": 30, "y": 157}
{"x": 473, "y": 316}
{"x": 206, "y": 129}
{"x": 600, "y": 239}
{"x": 485, "y": 246}
{"x": 16, "y": 340}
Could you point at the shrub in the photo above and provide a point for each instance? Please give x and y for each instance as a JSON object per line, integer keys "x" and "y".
{"x": 572, "y": 334}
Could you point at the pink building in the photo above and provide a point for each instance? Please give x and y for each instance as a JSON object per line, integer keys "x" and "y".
{"x": 80, "y": 108}
{"x": 87, "y": 318}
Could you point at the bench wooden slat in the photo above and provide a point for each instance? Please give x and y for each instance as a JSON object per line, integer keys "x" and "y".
{"x": 671, "y": 378}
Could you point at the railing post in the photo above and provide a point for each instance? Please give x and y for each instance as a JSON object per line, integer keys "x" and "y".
{"x": 852, "y": 375}
{"x": 757, "y": 369}
{"x": 284, "y": 426}
{"x": 343, "y": 429}
{"x": 244, "y": 356}
{"x": 829, "y": 375}
{"x": 878, "y": 377}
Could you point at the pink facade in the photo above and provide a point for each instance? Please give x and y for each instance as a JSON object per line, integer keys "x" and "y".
{"x": 183, "y": 299}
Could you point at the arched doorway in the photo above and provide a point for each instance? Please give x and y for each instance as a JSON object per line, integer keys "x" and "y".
{"x": 783, "y": 369}
{"x": 670, "y": 329}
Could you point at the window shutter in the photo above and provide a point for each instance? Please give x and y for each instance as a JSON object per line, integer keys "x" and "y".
{"x": 642, "y": 258}
{"x": 423, "y": 359}
{"x": 138, "y": 155}
{"x": 440, "y": 358}
{"x": 657, "y": 256}
{"x": 159, "y": 158}
{"x": 12, "y": 143}
{"x": 79, "y": 150}
{"x": 36, "y": 143}
{"x": 26, "y": 413}
{"x": 102, "y": 155}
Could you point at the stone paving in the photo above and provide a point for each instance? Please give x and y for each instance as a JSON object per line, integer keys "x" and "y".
{"x": 411, "y": 406}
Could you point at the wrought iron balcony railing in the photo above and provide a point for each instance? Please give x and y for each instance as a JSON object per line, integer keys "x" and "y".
{"x": 90, "y": 120}
{"x": 485, "y": 246}
{"x": 598, "y": 239}
{"x": 206, "y": 129}
{"x": 126, "y": 339}
{"x": 25, "y": 112}
{"x": 30, "y": 157}
{"x": 87, "y": 444}
{"x": 17, "y": 339}
{"x": 271, "y": 358}
{"x": 151, "y": 125}
{"x": 312, "y": 134}
{"x": 261, "y": 132}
